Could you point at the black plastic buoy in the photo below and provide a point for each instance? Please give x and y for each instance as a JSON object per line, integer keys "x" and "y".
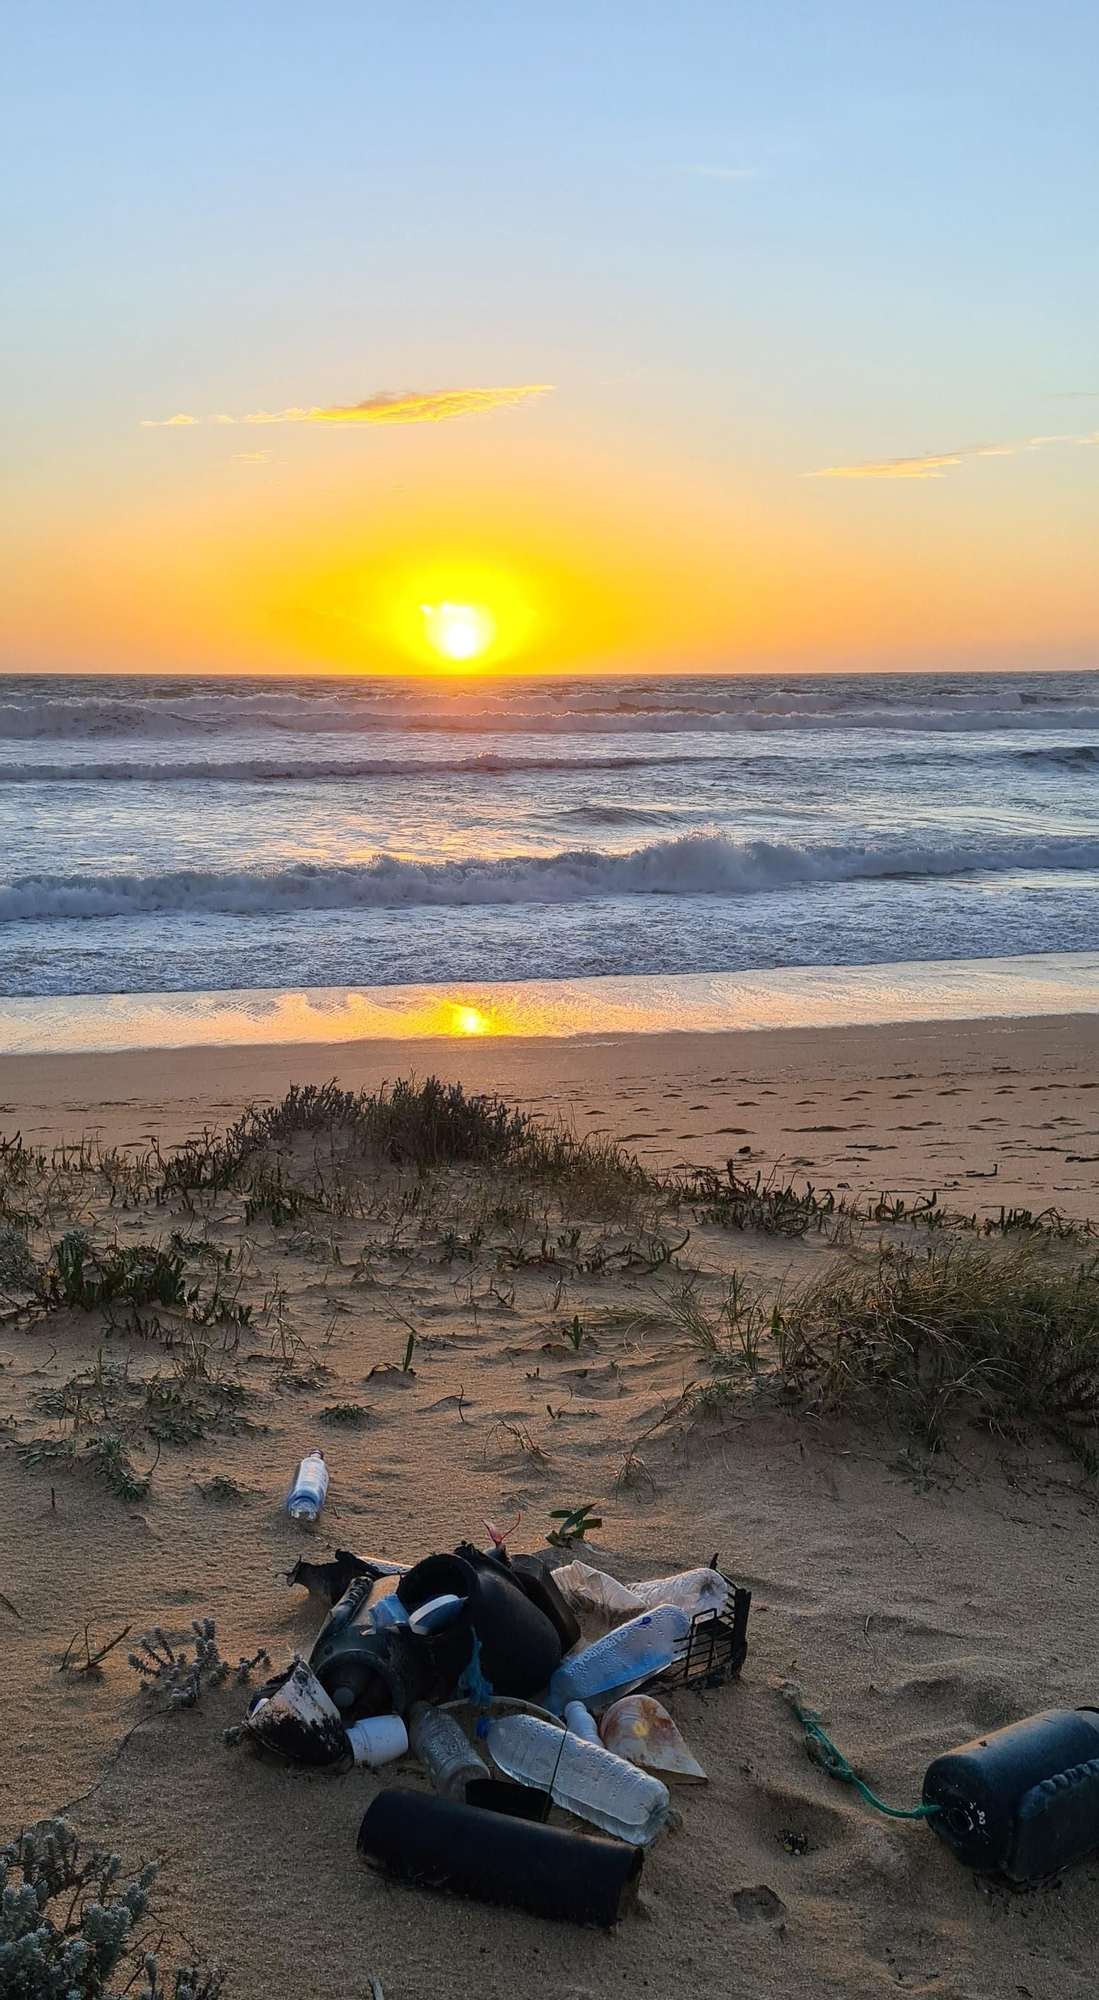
{"x": 497, "y": 1859}
{"x": 1022, "y": 1801}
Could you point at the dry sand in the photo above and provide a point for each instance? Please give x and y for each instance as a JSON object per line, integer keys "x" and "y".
{"x": 919, "y": 1601}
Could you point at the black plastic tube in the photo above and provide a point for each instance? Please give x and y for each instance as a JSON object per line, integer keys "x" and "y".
{"x": 496, "y": 1859}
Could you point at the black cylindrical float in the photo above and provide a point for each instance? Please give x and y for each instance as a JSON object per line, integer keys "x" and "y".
{"x": 496, "y": 1859}
{"x": 1022, "y": 1801}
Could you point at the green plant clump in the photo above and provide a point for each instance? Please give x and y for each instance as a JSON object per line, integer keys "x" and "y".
{"x": 1003, "y": 1336}
{"x": 139, "y": 1274}
{"x": 71, "y": 1928}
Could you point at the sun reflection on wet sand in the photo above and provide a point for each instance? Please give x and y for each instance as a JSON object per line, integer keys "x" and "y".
{"x": 799, "y": 997}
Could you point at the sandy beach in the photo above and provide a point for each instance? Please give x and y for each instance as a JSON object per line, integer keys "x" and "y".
{"x": 918, "y": 1596}
{"x": 912, "y": 1107}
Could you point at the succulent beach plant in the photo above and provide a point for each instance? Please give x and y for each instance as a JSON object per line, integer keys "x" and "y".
{"x": 183, "y": 1680}
{"x": 70, "y": 1926}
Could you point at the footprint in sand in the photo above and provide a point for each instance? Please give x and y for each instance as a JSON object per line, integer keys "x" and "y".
{"x": 758, "y": 1906}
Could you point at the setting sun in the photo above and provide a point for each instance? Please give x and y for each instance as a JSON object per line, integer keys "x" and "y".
{"x": 459, "y": 632}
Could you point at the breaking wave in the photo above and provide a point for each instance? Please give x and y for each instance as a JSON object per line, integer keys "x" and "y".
{"x": 692, "y": 865}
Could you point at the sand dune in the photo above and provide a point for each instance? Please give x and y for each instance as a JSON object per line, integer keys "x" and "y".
{"x": 918, "y": 1598}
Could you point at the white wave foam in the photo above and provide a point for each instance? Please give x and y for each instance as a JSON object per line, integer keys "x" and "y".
{"x": 693, "y": 865}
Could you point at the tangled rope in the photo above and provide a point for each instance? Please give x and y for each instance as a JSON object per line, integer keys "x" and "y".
{"x": 823, "y": 1751}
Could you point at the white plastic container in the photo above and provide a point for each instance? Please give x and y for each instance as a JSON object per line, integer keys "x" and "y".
{"x": 624, "y": 1660}
{"x": 306, "y": 1496}
{"x": 584, "y": 1779}
{"x": 378, "y": 1739}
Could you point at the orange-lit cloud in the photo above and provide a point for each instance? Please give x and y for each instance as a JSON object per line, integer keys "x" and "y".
{"x": 390, "y": 406}
{"x": 430, "y": 406}
{"x": 935, "y": 465}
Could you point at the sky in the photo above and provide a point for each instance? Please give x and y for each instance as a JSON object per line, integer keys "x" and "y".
{"x": 716, "y": 336}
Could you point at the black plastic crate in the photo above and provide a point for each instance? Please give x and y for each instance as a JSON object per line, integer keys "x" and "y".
{"x": 716, "y": 1647}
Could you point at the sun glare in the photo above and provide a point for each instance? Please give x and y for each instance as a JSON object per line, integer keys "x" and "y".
{"x": 458, "y": 632}
{"x": 469, "y": 1021}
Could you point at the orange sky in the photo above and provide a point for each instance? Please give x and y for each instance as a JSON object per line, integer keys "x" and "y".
{"x": 585, "y": 559}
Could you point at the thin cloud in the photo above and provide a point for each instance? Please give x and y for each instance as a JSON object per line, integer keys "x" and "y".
{"x": 936, "y": 465}
{"x": 251, "y": 457}
{"x": 391, "y": 406}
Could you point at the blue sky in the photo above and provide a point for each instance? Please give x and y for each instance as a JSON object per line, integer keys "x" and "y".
{"x": 755, "y": 239}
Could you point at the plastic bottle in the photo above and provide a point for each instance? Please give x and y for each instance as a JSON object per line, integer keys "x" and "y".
{"x": 442, "y": 1748}
{"x": 588, "y": 1781}
{"x": 623, "y": 1660}
{"x": 306, "y": 1496}
{"x": 581, "y": 1723}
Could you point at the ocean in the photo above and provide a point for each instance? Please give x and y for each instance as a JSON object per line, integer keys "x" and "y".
{"x": 170, "y": 835}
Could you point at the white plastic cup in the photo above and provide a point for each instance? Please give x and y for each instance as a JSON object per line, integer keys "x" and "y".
{"x": 297, "y": 1708}
{"x": 378, "y": 1739}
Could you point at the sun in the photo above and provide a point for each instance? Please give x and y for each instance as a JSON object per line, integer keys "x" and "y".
{"x": 458, "y": 632}
{"x": 455, "y": 614}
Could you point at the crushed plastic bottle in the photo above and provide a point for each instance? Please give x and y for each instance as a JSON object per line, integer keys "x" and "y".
{"x": 693, "y": 1590}
{"x": 584, "y": 1779}
{"x": 306, "y": 1496}
{"x": 581, "y": 1723}
{"x": 442, "y": 1748}
{"x": 588, "y": 1589}
{"x": 592, "y": 1590}
{"x": 622, "y": 1661}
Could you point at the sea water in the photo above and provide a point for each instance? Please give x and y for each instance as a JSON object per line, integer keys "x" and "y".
{"x": 170, "y": 835}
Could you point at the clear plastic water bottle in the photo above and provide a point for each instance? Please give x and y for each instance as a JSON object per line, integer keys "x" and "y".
{"x": 441, "y": 1745}
{"x": 306, "y": 1496}
{"x": 584, "y": 1779}
{"x": 581, "y": 1723}
{"x": 625, "y": 1659}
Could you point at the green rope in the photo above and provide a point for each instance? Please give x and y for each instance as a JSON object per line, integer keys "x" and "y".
{"x": 823, "y": 1751}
